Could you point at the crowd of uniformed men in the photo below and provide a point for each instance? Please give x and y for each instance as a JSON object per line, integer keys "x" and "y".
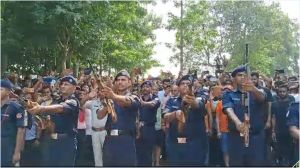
{"x": 189, "y": 121}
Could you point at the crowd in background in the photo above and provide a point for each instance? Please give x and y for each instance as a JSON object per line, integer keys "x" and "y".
{"x": 281, "y": 91}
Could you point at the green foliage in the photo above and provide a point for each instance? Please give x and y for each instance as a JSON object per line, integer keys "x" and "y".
{"x": 37, "y": 36}
{"x": 213, "y": 29}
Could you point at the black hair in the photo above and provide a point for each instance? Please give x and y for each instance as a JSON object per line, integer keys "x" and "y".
{"x": 283, "y": 86}
{"x": 255, "y": 74}
{"x": 166, "y": 80}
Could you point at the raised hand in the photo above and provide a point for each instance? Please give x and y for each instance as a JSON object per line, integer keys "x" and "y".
{"x": 34, "y": 108}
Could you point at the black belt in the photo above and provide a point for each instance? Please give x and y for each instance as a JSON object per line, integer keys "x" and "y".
{"x": 149, "y": 124}
{"x": 117, "y": 132}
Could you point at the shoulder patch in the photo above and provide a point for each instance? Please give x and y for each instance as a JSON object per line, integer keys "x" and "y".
{"x": 19, "y": 115}
{"x": 71, "y": 102}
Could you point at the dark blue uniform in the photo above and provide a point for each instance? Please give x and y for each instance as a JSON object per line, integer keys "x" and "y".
{"x": 13, "y": 116}
{"x": 238, "y": 153}
{"x": 203, "y": 93}
{"x": 191, "y": 153}
{"x": 145, "y": 143}
{"x": 293, "y": 120}
{"x": 119, "y": 145}
{"x": 60, "y": 149}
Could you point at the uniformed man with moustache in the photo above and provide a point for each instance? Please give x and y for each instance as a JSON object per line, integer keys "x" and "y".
{"x": 119, "y": 146}
{"x": 62, "y": 143}
{"x": 239, "y": 154}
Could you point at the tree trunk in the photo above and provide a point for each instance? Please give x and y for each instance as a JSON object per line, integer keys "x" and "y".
{"x": 75, "y": 69}
{"x": 64, "y": 63}
{"x": 68, "y": 63}
{"x": 109, "y": 71}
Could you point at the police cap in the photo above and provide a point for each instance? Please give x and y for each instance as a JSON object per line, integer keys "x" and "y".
{"x": 6, "y": 84}
{"x": 238, "y": 69}
{"x": 122, "y": 73}
{"x": 69, "y": 79}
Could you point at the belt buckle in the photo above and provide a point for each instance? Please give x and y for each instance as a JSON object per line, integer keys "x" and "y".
{"x": 54, "y": 136}
{"x": 114, "y": 132}
{"x": 181, "y": 140}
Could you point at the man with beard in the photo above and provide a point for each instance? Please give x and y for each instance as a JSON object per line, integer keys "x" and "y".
{"x": 267, "y": 116}
{"x": 147, "y": 118}
{"x": 119, "y": 145}
{"x": 280, "y": 131}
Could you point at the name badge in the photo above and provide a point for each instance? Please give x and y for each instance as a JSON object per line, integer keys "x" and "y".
{"x": 114, "y": 132}
{"x": 181, "y": 140}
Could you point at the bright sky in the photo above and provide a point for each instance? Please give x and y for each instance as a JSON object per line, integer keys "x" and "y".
{"x": 163, "y": 53}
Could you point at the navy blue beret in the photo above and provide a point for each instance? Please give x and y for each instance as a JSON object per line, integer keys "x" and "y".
{"x": 147, "y": 82}
{"x": 238, "y": 69}
{"x": 69, "y": 79}
{"x": 123, "y": 73}
{"x": 185, "y": 77}
{"x": 6, "y": 84}
{"x": 48, "y": 80}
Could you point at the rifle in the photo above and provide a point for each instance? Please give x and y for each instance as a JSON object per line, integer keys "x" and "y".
{"x": 186, "y": 107}
{"x": 106, "y": 102}
{"x": 246, "y": 103}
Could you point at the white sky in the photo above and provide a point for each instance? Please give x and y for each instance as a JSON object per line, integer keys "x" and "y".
{"x": 163, "y": 53}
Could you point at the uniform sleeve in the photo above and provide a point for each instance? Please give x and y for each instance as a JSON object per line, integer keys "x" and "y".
{"x": 227, "y": 101}
{"x": 20, "y": 115}
{"x": 135, "y": 102}
{"x": 70, "y": 105}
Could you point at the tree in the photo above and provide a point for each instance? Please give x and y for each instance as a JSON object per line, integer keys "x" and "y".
{"x": 219, "y": 30}
{"x": 61, "y": 34}
{"x": 271, "y": 35}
